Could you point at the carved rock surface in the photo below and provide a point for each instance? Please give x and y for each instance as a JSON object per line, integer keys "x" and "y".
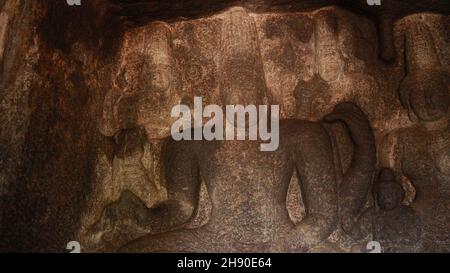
{"x": 87, "y": 93}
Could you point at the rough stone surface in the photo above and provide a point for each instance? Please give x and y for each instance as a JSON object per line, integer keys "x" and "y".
{"x": 85, "y": 147}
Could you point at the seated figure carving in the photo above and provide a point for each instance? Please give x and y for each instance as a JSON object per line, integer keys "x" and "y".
{"x": 421, "y": 154}
{"x": 248, "y": 187}
{"x": 145, "y": 67}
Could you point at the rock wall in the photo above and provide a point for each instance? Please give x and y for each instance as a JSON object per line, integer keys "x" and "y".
{"x": 87, "y": 93}
{"x": 54, "y": 67}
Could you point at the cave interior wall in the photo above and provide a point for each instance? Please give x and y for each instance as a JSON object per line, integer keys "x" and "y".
{"x": 63, "y": 71}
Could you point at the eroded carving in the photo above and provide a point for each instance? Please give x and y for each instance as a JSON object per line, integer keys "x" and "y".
{"x": 118, "y": 67}
{"x": 395, "y": 226}
{"x": 247, "y": 187}
{"x": 348, "y": 216}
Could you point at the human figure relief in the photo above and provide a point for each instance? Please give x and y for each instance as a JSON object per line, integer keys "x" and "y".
{"x": 124, "y": 196}
{"x": 395, "y": 226}
{"x": 145, "y": 78}
{"x": 421, "y": 154}
{"x": 248, "y": 187}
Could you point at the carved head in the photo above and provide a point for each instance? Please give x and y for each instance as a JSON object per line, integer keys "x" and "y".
{"x": 160, "y": 67}
{"x": 389, "y": 193}
{"x": 146, "y": 84}
{"x": 147, "y": 64}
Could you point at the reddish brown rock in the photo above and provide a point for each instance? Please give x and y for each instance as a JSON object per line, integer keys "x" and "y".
{"x": 85, "y": 148}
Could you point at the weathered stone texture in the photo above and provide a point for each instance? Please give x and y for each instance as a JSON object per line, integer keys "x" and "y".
{"x": 85, "y": 147}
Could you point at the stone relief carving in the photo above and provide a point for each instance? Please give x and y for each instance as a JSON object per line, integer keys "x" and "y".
{"x": 232, "y": 226}
{"x": 311, "y": 64}
{"x": 395, "y": 226}
{"x": 420, "y": 153}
